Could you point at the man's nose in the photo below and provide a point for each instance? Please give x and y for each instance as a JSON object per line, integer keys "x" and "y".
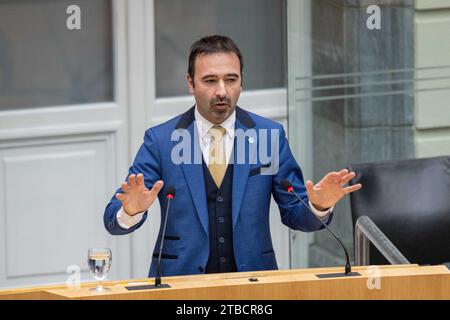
{"x": 221, "y": 90}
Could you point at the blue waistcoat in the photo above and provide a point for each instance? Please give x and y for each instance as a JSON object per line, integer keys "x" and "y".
{"x": 221, "y": 253}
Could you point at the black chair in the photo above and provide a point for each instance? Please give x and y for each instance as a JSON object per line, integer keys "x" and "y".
{"x": 409, "y": 200}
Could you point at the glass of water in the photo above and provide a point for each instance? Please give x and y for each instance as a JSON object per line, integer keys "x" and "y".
{"x": 99, "y": 260}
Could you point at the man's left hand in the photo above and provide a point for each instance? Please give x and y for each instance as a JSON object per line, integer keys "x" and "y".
{"x": 328, "y": 191}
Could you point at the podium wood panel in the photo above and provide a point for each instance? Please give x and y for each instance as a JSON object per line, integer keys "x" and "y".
{"x": 397, "y": 282}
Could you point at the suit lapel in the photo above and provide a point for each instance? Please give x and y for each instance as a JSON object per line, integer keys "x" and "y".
{"x": 193, "y": 172}
{"x": 241, "y": 170}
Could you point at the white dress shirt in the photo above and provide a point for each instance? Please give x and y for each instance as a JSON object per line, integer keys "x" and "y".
{"x": 203, "y": 125}
{"x": 205, "y": 137}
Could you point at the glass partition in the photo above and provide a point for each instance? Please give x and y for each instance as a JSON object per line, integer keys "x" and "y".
{"x": 368, "y": 81}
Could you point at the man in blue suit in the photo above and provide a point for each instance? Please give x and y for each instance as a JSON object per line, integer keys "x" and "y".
{"x": 224, "y": 163}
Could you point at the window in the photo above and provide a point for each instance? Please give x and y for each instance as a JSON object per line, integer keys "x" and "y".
{"x": 257, "y": 27}
{"x": 43, "y": 63}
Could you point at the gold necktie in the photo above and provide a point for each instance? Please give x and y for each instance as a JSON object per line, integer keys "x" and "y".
{"x": 217, "y": 164}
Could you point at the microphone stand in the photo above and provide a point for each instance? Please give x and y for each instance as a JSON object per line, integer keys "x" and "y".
{"x": 170, "y": 194}
{"x": 348, "y": 268}
{"x": 158, "y": 269}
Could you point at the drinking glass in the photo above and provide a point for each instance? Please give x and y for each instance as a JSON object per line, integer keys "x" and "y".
{"x": 99, "y": 261}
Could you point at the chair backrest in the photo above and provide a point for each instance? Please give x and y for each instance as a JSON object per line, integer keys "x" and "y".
{"x": 409, "y": 200}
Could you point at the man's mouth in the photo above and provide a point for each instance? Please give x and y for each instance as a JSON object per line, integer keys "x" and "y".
{"x": 221, "y": 105}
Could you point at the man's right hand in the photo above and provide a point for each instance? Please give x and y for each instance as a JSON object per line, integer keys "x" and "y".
{"x": 136, "y": 197}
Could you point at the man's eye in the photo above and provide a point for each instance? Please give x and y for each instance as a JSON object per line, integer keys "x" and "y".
{"x": 233, "y": 80}
{"x": 209, "y": 81}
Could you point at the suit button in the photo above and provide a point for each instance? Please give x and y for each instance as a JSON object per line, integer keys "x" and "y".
{"x": 219, "y": 199}
{"x": 221, "y": 219}
{"x": 223, "y": 259}
{"x": 222, "y": 240}
{"x": 201, "y": 269}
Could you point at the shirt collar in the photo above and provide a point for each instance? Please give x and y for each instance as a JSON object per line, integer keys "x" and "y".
{"x": 204, "y": 125}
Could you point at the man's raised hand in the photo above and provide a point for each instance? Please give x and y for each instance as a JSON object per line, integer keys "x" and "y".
{"x": 136, "y": 197}
{"x": 328, "y": 191}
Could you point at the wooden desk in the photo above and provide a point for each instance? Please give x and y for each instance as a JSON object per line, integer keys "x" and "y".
{"x": 397, "y": 282}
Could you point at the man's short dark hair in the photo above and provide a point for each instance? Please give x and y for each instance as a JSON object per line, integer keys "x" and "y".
{"x": 212, "y": 44}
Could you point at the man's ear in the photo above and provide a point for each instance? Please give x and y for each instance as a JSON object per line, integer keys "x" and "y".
{"x": 190, "y": 83}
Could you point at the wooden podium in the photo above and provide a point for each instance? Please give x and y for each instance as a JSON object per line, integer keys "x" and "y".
{"x": 393, "y": 282}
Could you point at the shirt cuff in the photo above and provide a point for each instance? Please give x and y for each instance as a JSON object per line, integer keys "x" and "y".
{"x": 322, "y": 215}
{"x": 126, "y": 221}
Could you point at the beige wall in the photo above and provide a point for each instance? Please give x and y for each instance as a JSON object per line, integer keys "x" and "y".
{"x": 432, "y": 48}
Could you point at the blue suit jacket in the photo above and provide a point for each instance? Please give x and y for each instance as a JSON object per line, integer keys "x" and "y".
{"x": 186, "y": 245}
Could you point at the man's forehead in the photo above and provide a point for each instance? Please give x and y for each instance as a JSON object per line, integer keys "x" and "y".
{"x": 220, "y": 62}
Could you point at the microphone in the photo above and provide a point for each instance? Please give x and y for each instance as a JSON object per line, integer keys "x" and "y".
{"x": 170, "y": 194}
{"x": 286, "y": 184}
